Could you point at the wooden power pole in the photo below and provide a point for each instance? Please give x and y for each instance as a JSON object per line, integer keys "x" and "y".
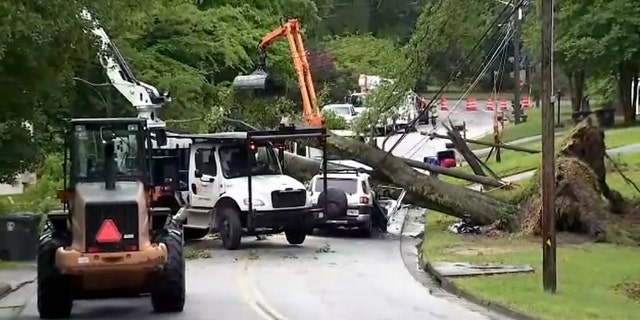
{"x": 548, "y": 152}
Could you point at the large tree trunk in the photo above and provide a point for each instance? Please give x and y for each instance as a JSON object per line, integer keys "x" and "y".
{"x": 422, "y": 190}
{"x": 576, "y": 85}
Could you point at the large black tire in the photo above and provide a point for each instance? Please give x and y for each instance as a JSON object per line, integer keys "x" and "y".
{"x": 55, "y": 293}
{"x": 295, "y": 236}
{"x": 168, "y": 293}
{"x": 230, "y": 227}
{"x": 334, "y": 201}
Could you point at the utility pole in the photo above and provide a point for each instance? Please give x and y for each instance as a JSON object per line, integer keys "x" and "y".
{"x": 517, "y": 111}
{"x": 548, "y": 152}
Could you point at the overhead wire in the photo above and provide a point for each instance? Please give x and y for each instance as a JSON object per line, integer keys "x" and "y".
{"x": 482, "y": 70}
{"x": 456, "y": 72}
{"x": 498, "y": 49}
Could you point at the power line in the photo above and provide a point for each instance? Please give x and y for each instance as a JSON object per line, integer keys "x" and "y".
{"x": 455, "y": 74}
{"x": 482, "y": 70}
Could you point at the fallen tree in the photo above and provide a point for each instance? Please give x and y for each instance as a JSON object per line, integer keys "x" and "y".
{"x": 584, "y": 202}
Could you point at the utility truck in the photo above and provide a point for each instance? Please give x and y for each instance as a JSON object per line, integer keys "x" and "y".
{"x": 237, "y": 186}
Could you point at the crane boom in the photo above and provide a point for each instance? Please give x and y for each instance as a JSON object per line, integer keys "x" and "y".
{"x": 260, "y": 79}
{"x": 144, "y": 97}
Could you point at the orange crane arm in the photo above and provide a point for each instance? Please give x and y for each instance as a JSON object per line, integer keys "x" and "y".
{"x": 291, "y": 31}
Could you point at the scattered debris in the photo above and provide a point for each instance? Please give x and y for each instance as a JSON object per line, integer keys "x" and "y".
{"x": 463, "y": 269}
{"x": 195, "y": 253}
{"x": 290, "y": 256}
{"x": 464, "y": 226}
{"x": 326, "y": 248}
{"x": 253, "y": 255}
{"x": 631, "y": 290}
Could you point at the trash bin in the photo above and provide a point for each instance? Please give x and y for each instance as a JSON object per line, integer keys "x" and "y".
{"x": 19, "y": 234}
{"x": 606, "y": 117}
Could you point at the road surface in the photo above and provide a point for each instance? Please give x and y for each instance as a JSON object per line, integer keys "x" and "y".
{"x": 332, "y": 278}
{"x": 416, "y": 146}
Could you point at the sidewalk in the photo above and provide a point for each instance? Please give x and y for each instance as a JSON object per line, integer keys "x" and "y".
{"x": 12, "y": 279}
{"x": 632, "y": 148}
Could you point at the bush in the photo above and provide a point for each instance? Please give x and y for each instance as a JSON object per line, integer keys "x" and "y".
{"x": 40, "y": 197}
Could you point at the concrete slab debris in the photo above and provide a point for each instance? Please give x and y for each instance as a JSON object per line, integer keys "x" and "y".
{"x": 464, "y": 269}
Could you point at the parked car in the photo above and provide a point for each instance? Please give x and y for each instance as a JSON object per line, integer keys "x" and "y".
{"x": 345, "y": 111}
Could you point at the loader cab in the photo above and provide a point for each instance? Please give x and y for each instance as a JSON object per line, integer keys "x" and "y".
{"x": 108, "y": 150}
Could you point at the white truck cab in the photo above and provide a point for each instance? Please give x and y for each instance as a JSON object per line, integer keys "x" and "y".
{"x": 237, "y": 187}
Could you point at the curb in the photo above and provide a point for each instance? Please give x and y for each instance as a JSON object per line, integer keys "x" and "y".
{"x": 450, "y": 287}
{"x": 5, "y": 289}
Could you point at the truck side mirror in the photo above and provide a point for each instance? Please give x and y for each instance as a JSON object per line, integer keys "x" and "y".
{"x": 198, "y": 173}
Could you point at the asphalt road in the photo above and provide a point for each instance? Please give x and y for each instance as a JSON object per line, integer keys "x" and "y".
{"x": 333, "y": 278}
{"x": 327, "y": 278}
{"x": 416, "y": 146}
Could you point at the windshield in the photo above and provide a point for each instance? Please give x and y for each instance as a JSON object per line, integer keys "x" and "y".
{"x": 341, "y": 110}
{"x": 349, "y": 186}
{"x": 234, "y": 161}
{"x": 89, "y": 155}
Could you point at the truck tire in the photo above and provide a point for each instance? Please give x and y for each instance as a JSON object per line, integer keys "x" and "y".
{"x": 295, "y": 236}
{"x": 230, "y": 228}
{"x": 55, "y": 295}
{"x": 168, "y": 293}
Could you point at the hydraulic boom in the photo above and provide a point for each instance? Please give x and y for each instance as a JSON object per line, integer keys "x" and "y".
{"x": 260, "y": 80}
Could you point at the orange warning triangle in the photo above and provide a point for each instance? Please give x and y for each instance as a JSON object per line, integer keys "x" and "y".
{"x": 108, "y": 232}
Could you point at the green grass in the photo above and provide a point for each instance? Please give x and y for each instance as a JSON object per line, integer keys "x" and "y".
{"x": 514, "y": 162}
{"x": 527, "y": 129}
{"x": 7, "y": 265}
{"x": 588, "y": 274}
{"x": 531, "y": 128}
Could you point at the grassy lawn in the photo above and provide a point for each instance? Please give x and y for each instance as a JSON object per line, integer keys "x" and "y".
{"x": 531, "y": 128}
{"x": 6, "y": 265}
{"x": 514, "y": 162}
{"x": 595, "y": 281}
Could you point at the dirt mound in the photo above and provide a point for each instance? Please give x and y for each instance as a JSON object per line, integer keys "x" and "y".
{"x": 630, "y": 289}
{"x": 584, "y": 202}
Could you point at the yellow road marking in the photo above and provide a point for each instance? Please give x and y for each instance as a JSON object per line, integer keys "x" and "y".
{"x": 251, "y": 295}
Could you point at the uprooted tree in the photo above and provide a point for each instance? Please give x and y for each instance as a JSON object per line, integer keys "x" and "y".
{"x": 584, "y": 202}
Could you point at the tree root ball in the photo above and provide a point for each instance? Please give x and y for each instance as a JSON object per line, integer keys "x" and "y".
{"x": 584, "y": 202}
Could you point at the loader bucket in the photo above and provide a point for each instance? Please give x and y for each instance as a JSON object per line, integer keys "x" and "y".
{"x": 258, "y": 80}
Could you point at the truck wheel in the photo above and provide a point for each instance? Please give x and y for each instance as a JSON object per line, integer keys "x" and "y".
{"x": 230, "y": 228}
{"x": 168, "y": 293}
{"x": 55, "y": 298}
{"x": 295, "y": 236}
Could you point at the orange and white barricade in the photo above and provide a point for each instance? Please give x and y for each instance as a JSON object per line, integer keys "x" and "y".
{"x": 491, "y": 105}
{"x": 525, "y": 102}
{"x": 471, "y": 104}
{"x": 444, "y": 104}
{"x": 504, "y": 105}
